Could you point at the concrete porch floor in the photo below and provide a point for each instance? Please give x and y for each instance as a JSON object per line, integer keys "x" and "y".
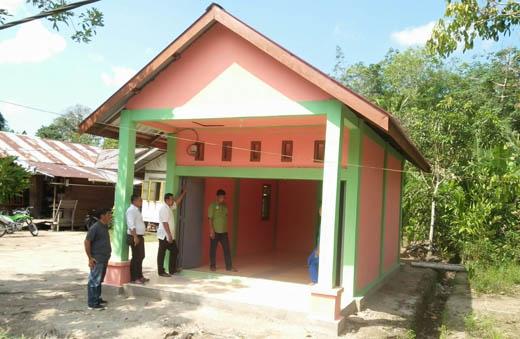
{"x": 280, "y": 266}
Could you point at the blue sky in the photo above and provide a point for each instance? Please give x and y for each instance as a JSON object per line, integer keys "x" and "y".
{"x": 42, "y": 68}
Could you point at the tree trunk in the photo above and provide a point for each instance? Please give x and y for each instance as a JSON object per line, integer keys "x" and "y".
{"x": 432, "y": 216}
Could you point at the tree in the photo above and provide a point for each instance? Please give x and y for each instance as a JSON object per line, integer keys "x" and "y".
{"x": 463, "y": 118}
{"x": 14, "y": 179}
{"x": 64, "y": 128}
{"x": 466, "y": 20}
{"x": 3, "y": 123}
{"x": 59, "y": 13}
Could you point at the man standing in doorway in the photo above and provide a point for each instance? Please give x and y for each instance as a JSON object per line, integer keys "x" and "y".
{"x": 98, "y": 249}
{"x": 217, "y": 215}
{"x": 135, "y": 238}
{"x": 166, "y": 234}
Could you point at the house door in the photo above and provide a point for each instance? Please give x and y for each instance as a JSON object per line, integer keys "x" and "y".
{"x": 190, "y": 223}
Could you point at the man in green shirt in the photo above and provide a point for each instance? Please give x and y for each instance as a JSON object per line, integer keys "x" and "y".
{"x": 217, "y": 216}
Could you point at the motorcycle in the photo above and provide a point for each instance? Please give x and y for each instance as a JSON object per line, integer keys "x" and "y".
{"x": 90, "y": 220}
{"x": 19, "y": 220}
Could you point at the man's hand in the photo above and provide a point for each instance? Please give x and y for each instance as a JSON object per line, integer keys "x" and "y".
{"x": 91, "y": 262}
{"x": 212, "y": 234}
{"x": 169, "y": 238}
{"x": 136, "y": 240}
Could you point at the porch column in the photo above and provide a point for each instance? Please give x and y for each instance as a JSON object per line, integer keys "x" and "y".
{"x": 171, "y": 185}
{"x": 326, "y": 297}
{"x": 350, "y": 234}
{"x": 118, "y": 271}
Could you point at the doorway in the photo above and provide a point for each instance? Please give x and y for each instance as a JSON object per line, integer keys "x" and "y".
{"x": 272, "y": 226}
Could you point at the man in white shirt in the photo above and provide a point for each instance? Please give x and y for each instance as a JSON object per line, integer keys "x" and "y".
{"x": 166, "y": 234}
{"x": 135, "y": 238}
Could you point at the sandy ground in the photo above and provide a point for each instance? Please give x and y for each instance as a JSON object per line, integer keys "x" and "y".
{"x": 500, "y": 312}
{"x": 43, "y": 294}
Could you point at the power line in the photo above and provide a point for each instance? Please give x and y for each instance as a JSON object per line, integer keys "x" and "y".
{"x": 51, "y": 12}
{"x": 210, "y": 143}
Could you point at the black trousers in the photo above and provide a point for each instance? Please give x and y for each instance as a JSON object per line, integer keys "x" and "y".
{"x": 174, "y": 251}
{"x": 136, "y": 263}
{"x": 224, "y": 242}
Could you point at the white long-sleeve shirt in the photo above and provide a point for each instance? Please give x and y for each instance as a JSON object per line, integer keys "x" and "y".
{"x": 134, "y": 220}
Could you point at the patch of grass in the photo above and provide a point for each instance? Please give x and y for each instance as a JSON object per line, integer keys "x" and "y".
{"x": 498, "y": 279}
{"x": 409, "y": 334}
{"x": 481, "y": 327}
{"x": 5, "y": 335}
{"x": 444, "y": 332}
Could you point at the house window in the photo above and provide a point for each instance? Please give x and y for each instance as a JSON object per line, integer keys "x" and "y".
{"x": 256, "y": 148}
{"x": 287, "y": 150}
{"x": 319, "y": 150}
{"x": 266, "y": 202}
{"x": 152, "y": 190}
{"x": 226, "y": 150}
{"x": 199, "y": 156}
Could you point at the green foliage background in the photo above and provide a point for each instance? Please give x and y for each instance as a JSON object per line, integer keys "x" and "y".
{"x": 465, "y": 118}
{"x": 13, "y": 179}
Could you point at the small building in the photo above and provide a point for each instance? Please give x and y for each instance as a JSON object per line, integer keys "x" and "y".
{"x": 236, "y": 111}
{"x": 66, "y": 171}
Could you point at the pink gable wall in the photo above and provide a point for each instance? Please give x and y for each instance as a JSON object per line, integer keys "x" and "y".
{"x": 370, "y": 213}
{"x": 393, "y": 197}
{"x": 209, "y": 56}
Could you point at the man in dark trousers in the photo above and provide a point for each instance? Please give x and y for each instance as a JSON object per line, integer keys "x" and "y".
{"x": 135, "y": 238}
{"x": 98, "y": 249}
{"x": 217, "y": 216}
{"x": 166, "y": 234}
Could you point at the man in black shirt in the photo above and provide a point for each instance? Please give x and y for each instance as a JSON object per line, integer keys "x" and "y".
{"x": 98, "y": 249}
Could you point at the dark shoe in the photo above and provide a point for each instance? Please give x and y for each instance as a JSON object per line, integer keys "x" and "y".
{"x": 97, "y": 308}
{"x": 138, "y": 282}
{"x": 212, "y": 269}
{"x": 232, "y": 269}
{"x": 164, "y": 274}
{"x": 102, "y": 302}
{"x": 145, "y": 279}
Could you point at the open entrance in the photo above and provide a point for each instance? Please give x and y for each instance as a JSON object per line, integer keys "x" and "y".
{"x": 272, "y": 226}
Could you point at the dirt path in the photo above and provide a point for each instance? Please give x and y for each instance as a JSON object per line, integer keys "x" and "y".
{"x": 470, "y": 315}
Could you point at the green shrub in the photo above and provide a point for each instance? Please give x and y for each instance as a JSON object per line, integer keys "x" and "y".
{"x": 502, "y": 278}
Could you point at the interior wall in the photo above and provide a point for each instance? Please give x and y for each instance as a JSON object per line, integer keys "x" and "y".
{"x": 370, "y": 210}
{"x": 211, "y": 187}
{"x": 297, "y": 215}
{"x": 392, "y": 212}
{"x": 254, "y": 234}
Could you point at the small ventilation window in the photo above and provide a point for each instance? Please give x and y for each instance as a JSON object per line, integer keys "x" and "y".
{"x": 266, "y": 202}
{"x": 319, "y": 150}
{"x": 256, "y": 148}
{"x": 287, "y": 150}
{"x": 199, "y": 155}
{"x": 227, "y": 147}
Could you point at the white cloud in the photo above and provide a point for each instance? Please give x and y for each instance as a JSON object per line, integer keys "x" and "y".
{"x": 414, "y": 36}
{"x": 32, "y": 43}
{"x": 118, "y": 76}
{"x": 11, "y": 6}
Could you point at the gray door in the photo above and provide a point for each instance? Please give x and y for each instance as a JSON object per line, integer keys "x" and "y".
{"x": 190, "y": 223}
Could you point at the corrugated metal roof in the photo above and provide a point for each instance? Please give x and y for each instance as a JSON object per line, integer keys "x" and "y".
{"x": 66, "y": 159}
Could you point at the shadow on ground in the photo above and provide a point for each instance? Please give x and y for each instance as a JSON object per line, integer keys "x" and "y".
{"x": 54, "y": 304}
